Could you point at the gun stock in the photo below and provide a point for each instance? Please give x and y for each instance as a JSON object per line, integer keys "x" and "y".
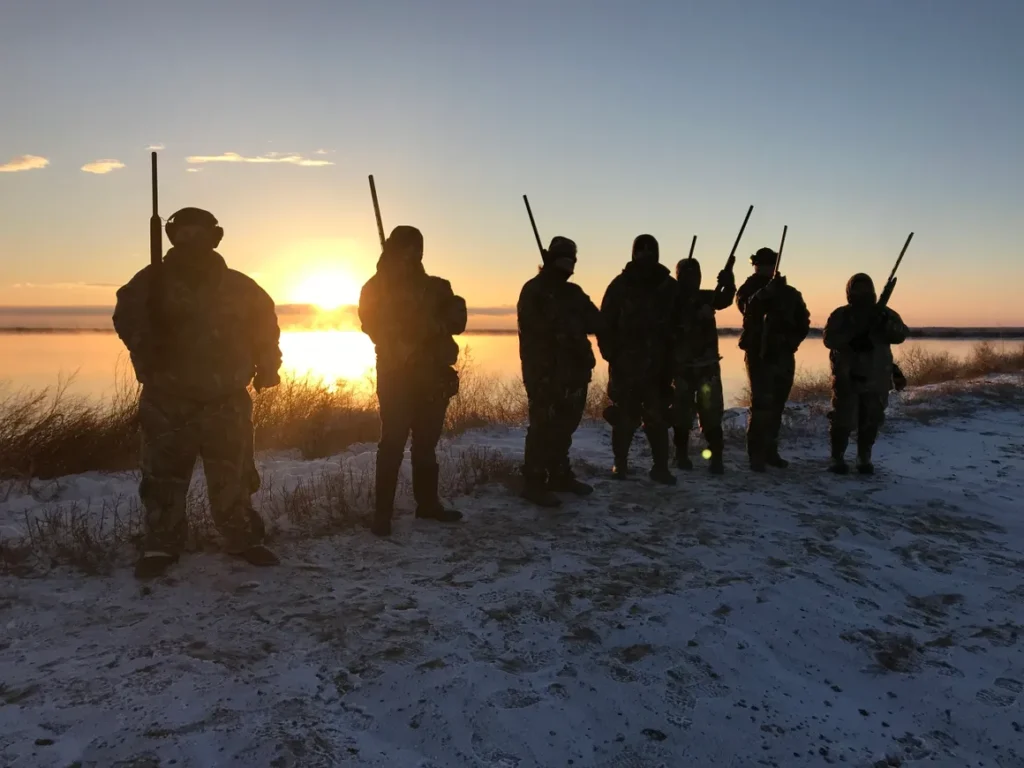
{"x": 533, "y": 223}
{"x": 376, "y": 212}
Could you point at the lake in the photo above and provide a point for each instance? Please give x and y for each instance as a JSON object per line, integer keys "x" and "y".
{"x": 37, "y": 360}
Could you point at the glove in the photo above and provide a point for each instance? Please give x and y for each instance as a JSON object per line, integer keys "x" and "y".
{"x": 265, "y": 381}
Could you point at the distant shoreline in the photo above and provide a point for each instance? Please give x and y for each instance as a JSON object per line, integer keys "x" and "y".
{"x": 967, "y": 334}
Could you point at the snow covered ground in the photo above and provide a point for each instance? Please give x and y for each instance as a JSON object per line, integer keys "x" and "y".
{"x": 790, "y": 619}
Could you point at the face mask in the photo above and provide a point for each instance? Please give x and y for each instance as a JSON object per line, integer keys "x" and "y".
{"x": 862, "y": 298}
{"x": 565, "y": 265}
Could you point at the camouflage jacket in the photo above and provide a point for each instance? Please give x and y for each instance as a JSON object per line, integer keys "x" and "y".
{"x": 555, "y": 319}
{"x": 215, "y": 327}
{"x": 695, "y": 332}
{"x": 868, "y": 368}
{"x": 781, "y": 310}
{"x": 636, "y": 324}
{"x": 411, "y": 317}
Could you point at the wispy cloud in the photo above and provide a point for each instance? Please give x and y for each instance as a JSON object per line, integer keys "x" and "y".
{"x": 193, "y": 170}
{"x": 270, "y": 157}
{"x": 323, "y": 152}
{"x": 62, "y": 286}
{"x": 24, "y": 163}
{"x": 155, "y": 147}
{"x": 102, "y": 166}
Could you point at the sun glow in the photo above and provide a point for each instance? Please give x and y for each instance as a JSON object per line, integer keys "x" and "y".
{"x": 327, "y": 290}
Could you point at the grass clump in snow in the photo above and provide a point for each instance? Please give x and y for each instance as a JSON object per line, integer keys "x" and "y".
{"x": 96, "y": 536}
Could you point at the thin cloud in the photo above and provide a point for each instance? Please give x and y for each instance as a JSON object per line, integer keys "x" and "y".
{"x": 62, "y": 286}
{"x": 193, "y": 170}
{"x": 101, "y": 167}
{"x": 24, "y": 163}
{"x": 492, "y": 311}
{"x": 156, "y": 147}
{"x": 272, "y": 157}
{"x": 323, "y": 152}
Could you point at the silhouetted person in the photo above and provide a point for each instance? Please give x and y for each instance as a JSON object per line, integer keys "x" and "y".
{"x": 215, "y": 332}
{"x": 775, "y": 309}
{"x": 411, "y": 317}
{"x": 695, "y": 361}
{"x": 555, "y": 317}
{"x": 859, "y": 337}
{"x": 635, "y": 339}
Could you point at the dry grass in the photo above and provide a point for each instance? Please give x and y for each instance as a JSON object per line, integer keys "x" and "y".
{"x": 49, "y": 433}
{"x": 95, "y": 537}
{"x": 921, "y": 367}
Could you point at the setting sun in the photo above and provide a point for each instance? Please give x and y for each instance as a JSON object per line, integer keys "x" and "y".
{"x": 328, "y": 290}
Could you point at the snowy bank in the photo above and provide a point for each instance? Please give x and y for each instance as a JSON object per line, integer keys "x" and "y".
{"x": 789, "y": 619}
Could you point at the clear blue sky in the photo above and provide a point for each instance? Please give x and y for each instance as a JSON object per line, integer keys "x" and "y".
{"x": 852, "y": 122}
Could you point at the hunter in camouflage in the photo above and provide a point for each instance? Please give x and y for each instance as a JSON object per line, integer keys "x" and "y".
{"x": 775, "y": 323}
{"x": 859, "y": 336}
{"x": 196, "y": 343}
{"x": 695, "y": 361}
{"x": 411, "y": 317}
{"x": 635, "y": 339}
{"x": 555, "y": 318}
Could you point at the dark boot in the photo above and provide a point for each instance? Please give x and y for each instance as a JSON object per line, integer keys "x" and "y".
{"x": 772, "y": 458}
{"x": 535, "y": 490}
{"x": 658, "y": 438}
{"x": 564, "y": 481}
{"x": 153, "y": 564}
{"x": 682, "y": 441}
{"x": 386, "y": 482}
{"x": 864, "y": 445}
{"x": 837, "y": 464}
{"x": 622, "y": 439}
{"x": 424, "y": 489}
{"x": 755, "y": 442}
{"x": 716, "y": 444}
{"x": 259, "y": 555}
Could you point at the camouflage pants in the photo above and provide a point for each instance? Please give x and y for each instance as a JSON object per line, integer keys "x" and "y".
{"x": 860, "y": 411}
{"x": 770, "y": 384}
{"x": 174, "y": 433}
{"x": 635, "y": 404}
{"x": 554, "y": 417}
{"x": 700, "y": 390}
{"x": 415, "y": 406}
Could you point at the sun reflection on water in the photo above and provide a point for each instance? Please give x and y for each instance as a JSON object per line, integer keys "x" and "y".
{"x": 330, "y": 356}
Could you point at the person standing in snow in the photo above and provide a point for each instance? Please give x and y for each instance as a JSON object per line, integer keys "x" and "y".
{"x": 211, "y": 332}
{"x": 555, "y": 318}
{"x": 775, "y": 323}
{"x": 695, "y": 361}
{"x": 635, "y": 339}
{"x": 411, "y": 317}
{"x": 859, "y": 336}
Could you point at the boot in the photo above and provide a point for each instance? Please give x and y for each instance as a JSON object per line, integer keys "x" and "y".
{"x": 424, "y": 489}
{"x": 683, "y": 450}
{"x": 838, "y": 464}
{"x": 716, "y": 444}
{"x": 658, "y": 438}
{"x": 153, "y": 564}
{"x": 535, "y": 491}
{"x": 259, "y": 555}
{"x": 622, "y": 439}
{"x": 755, "y": 442}
{"x": 564, "y": 481}
{"x": 864, "y": 445}
{"x": 386, "y": 482}
{"x": 772, "y": 458}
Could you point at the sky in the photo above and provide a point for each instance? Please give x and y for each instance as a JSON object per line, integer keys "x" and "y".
{"x": 852, "y": 123}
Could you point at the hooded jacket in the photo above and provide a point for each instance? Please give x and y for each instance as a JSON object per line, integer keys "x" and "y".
{"x": 411, "y": 317}
{"x": 216, "y": 327}
{"x": 867, "y": 368}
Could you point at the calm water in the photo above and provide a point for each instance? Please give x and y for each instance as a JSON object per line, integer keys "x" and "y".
{"x": 39, "y": 360}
